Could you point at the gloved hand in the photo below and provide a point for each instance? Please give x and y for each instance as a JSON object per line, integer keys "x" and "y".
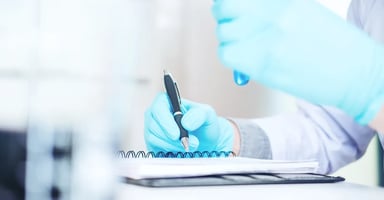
{"x": 207, "y": 131}
{"x": 302, "y": 48}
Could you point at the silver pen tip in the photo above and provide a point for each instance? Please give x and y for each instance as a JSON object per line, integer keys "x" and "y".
{"x": 185, "y": 142}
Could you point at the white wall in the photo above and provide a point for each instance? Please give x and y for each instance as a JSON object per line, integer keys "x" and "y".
{"x": 57, "y": 58}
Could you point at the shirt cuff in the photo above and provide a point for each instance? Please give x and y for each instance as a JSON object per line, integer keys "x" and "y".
{"x": 254, "y": 142}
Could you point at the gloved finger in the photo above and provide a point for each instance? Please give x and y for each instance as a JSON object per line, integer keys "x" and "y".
{"x": 193, "y": 143}
{"x": 240, "y": 28}
{"x": 152, "y": 126}
{"x": 186, "y": 105}
{"x": 268, "y": 10}
{"x": 160, "y": 112}
{"x": 224, "y": 10}
{"x": 157, "y": 144}
{"x": 198, "y": 116}
{"x": 251, "y": 55}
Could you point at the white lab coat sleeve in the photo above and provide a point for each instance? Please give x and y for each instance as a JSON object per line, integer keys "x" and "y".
{"x": 254, "y": 142}
{"x": 368, "y": 15}
{"x": 324, "y": 134}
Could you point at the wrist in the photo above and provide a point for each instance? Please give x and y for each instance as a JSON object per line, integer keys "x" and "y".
{"x": 236, "y": 137}
{"x": 227, "y": 135}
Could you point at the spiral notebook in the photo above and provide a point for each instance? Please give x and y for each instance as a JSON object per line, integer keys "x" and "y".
{"x": 167, "y": 169}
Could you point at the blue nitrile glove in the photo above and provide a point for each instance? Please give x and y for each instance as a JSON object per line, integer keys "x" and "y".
{"x": 207, "y": 131}
{"x": 301, "y": 47}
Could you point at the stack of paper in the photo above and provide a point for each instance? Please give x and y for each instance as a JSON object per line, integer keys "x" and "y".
{"x": 143, "y": 168}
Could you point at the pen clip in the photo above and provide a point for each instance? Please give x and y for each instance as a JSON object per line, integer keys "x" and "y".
{"x": 177, "y": 93}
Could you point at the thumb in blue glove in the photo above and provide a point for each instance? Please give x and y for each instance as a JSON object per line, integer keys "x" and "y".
{"x": 207, "y": 131}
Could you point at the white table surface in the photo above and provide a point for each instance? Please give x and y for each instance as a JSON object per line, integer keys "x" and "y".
{"x": 341, "y": 190}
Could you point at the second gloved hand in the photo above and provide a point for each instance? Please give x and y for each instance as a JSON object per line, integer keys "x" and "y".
{"x": 302, "y": 48}
{"x": 207, "y": 131}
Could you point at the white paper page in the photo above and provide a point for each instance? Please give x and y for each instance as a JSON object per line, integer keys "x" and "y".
{"x": 139, "y": 168}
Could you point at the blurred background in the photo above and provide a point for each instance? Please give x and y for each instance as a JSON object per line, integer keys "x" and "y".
{"x": 68, "y": 65}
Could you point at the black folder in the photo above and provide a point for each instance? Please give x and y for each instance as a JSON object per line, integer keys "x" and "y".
{"x": 235, "y": 179}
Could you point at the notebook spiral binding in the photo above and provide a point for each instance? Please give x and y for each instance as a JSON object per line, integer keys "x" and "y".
{"x": 161, "y": 154}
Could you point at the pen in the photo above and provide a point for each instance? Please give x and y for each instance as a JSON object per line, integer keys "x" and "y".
{"x": 174, "y": 99}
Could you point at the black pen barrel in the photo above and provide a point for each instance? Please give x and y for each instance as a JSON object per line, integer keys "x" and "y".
{"x": 172, "y": 92}
{"x": 183, "y": 132}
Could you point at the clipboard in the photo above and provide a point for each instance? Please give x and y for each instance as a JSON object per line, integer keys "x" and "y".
{"x": 235, "y": 179}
